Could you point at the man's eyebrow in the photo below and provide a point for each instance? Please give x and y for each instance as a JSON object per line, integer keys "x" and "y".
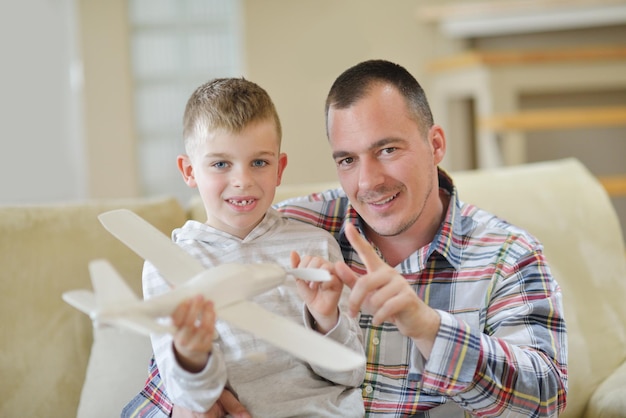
{"x": 381, "y": 143}
{"x": 340, "y": 154}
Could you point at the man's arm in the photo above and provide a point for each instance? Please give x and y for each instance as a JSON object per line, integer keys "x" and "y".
{"x": 518, "y": 364}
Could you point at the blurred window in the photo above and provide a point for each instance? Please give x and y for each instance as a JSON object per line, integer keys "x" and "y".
{"x": 176, "y": 45}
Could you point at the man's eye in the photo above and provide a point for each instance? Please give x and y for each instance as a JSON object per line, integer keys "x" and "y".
{"x": 389, "y": 150}
{"x": 345, "y": 161}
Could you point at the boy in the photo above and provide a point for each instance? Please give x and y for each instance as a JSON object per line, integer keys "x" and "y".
{"x": 232, "y": 137}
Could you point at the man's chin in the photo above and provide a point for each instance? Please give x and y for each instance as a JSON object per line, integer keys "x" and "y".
{"x": 384, "y": 228}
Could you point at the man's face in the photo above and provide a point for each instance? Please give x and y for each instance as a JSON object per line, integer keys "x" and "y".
{"x": 385, "y": 165}
{"x": 236, "y": 175}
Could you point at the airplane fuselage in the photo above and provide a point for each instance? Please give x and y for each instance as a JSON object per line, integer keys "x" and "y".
{"x": 224, "y": 285}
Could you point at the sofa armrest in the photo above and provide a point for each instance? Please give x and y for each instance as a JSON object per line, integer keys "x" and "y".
{"x": 609, "y": 400}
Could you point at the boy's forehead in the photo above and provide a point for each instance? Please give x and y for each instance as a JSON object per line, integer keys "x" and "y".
{"x": 253, "y": 139}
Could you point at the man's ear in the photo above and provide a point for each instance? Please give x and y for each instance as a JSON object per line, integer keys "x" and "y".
{"x": 282, "y": 163}
{"x": 437, "y": 139}
{"x": 186, "y": 169}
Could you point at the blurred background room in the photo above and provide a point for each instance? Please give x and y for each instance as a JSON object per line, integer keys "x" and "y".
{"x": 93, "y": 91}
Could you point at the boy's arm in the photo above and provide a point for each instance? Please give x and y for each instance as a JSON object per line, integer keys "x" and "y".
{"x": 348, "y": 333}
{"x": 328, "y": 301}
{"x": 195, "y": 391}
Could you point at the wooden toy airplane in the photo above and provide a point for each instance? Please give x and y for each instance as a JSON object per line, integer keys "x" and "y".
{"x": 229, "y": 286}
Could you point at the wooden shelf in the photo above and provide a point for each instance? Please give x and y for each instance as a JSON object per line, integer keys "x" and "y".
{"x": 547, "y": 119}
{"x": 614, "y": 185}
{"x": 527, "y": 57}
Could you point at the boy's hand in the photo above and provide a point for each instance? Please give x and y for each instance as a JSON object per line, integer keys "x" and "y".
{"x": 194, "y": 320}
{"x": 321, "y": 298}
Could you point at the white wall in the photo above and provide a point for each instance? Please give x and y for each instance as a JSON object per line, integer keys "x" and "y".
{"x": 296, "y": 48}
{"x": 41, "y": 156}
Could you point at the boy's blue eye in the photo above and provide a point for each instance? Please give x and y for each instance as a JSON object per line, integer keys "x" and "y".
{"x": 220, "y": 164}
{"x": 259, "y": 163}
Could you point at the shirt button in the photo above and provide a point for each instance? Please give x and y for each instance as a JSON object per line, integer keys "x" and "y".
{"x": 375, "y": 341}
{"x": 369, "y": 389}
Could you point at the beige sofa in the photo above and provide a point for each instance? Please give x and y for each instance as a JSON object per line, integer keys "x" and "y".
{"x": 51, "y": 366}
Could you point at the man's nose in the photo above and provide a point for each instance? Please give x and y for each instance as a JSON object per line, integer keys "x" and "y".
{"x": 370, "y": 174}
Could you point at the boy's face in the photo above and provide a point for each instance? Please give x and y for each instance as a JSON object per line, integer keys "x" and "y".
{"x": 236, "y": 175}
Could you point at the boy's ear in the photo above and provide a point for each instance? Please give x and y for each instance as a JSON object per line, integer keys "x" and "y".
{"x": 186, "y": 169}
{"x": 282, "y": 163}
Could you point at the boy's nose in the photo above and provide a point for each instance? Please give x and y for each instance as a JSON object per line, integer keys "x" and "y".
{"x": 242, "y": 178}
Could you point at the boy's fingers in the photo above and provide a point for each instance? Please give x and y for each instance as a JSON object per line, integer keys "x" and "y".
{"x": 295, "y": 259}
{"x": 343, "y": 272}
{"x": 180, "y": 313}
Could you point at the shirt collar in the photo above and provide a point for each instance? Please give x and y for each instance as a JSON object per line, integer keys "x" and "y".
{"x": 217, "y": 238}
{"x": 447, "y": 241}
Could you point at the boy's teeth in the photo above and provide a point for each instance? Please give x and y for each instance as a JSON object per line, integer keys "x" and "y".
{"x": 241, "y": 202}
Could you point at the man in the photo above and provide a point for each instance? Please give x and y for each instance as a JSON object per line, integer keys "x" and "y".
{"x": 460, "y": 312}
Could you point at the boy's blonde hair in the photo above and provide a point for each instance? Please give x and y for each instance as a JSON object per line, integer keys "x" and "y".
{"x": 230, "y": 104}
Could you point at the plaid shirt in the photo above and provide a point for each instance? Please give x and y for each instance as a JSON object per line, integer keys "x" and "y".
{"x": 502, "y": 344}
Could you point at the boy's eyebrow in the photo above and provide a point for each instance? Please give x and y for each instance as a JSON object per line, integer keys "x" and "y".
{"x": 381, "y": 143}
{"x": 226, "y": 155}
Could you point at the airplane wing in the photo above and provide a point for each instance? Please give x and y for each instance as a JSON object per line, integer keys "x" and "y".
{"x": 175, "y": 265}
{"x": 291, "y": 337}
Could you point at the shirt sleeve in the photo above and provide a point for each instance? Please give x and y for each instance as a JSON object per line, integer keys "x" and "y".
{"x": 495, "y": 370}
{"x": 195, "y": 391}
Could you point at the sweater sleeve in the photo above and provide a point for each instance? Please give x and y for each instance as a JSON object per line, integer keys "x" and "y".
{"x": 195, "y": 391}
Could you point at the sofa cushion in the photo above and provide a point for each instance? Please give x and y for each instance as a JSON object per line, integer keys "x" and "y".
{"x": 44, "y": 251}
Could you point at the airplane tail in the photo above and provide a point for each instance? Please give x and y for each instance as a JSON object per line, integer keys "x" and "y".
{"x": 112, "y": 293}
{"x": 110, "y": 288}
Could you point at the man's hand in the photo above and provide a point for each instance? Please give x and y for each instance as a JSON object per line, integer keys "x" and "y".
{"x": 385, "y": 294}
{"x": 227, "y": 404}
{"x": 321, "y": 298}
